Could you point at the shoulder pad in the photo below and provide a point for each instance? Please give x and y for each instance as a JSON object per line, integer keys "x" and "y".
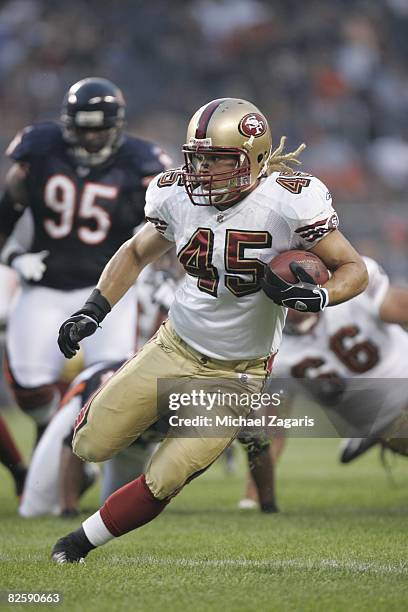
{"x": 303, "y": 195}
{"x": 35, "y": 141}
{"x": 166, "y": 184}
{"x": 148, "y": 157}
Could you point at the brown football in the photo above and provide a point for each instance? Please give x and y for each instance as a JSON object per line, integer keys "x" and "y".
{"x": 309, "y": 261}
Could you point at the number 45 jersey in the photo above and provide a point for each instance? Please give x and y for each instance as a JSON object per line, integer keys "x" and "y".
{"x": 82, "y": 214}
{"x": 220, "y": 309}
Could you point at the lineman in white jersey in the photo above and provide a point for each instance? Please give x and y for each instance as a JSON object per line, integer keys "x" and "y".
{"x": 355, "y": 354}
{"x": 362, "y": 343}
{"x": 231, "y": 208}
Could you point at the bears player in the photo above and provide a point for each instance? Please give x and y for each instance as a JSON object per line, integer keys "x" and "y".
{"x": 84, "y": 181}
{"x": 229, "y": 210}
{"x": 344, "y": 348}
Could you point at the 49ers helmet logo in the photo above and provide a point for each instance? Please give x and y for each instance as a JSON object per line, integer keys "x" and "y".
{"x": 252, "y": 124}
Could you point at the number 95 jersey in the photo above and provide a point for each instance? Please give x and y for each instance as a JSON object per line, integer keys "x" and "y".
{"x": 81, "y": 214}
{"x": 220, "y": 309}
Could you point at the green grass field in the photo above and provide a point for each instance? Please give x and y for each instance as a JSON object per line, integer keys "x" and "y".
{"x": 339, "y": 543}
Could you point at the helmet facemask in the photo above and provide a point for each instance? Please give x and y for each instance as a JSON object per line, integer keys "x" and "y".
{"x": 89, "y": 152}
{"x": 208, "y": 188}
{"x": 230, "y": 129}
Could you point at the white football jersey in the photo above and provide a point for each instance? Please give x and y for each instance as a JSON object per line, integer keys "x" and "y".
{"x": 220, "y": 309}
{"x": 351, "y": 341}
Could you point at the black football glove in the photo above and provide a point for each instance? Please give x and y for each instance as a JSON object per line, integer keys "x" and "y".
{"x": 82, "y": 323}
{"x": 304, "y": 295}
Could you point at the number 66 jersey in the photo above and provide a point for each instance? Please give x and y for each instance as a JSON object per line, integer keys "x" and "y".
{"x": 350, "y": 343}
{"x": 220, "y": 309}
{"x": 348, "y": 340}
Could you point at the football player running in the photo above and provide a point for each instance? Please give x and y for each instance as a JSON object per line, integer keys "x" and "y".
{"x": 84, "y": 181}
{"x": 351, "y": 360}
{"x": 232, "y": 207}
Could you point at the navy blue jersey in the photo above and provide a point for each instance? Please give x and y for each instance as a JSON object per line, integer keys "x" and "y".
{"x": 82, "y": 215}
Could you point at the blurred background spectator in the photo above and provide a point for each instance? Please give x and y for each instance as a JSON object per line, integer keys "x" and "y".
{"x": 333, "y": 74}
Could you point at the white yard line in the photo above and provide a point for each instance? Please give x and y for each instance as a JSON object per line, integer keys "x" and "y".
{"x": 363, "y": 567}
{"x": 359, "y": 567}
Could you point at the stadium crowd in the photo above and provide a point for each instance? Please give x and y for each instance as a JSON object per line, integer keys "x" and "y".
{"x": 331, "y": 74}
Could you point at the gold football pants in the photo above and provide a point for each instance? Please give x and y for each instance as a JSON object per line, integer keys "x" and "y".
{"x": 127, "y": 404}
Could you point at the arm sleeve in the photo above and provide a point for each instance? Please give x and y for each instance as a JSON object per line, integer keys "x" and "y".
{"x": 155, "y": 162}
{"x": 158, "y": 208}
{"x": 20, "y": 148}
{"x": 310, "y": 215}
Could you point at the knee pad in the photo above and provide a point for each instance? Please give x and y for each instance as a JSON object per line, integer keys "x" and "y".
{"x": 39, "y": 402}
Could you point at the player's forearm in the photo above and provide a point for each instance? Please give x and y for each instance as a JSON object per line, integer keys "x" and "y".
{"x": 119, "y": 274}
{"x": 127, "y": 263}
{"x": 347, "y": 281}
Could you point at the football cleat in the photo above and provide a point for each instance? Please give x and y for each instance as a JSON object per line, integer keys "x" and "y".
{"x": 269, "y": 508}
{"x": 72, "y": 548}
{"x": 351, "y": 448}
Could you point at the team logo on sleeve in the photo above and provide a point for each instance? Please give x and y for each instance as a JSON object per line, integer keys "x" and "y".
{"x": 252, "y": 124}
{"x": 317, "y": 230}
{"x": 159, "y": 224}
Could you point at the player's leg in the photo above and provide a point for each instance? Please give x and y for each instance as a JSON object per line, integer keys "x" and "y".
{"x": 127, "y": 404}
{"x": 41, "y": 492}
{"x": 260, "y": 481}
{"x": 176, "y": 462}
{"x": 75, "y": 477}
{"x": 117, "y": 338}
{"x": 33, "y": 358}
{"x": 11, "y": 458}
{"x": 124, "y": 467}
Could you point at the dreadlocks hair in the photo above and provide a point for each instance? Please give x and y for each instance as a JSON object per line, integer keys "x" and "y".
{"x": 282, "y": 162}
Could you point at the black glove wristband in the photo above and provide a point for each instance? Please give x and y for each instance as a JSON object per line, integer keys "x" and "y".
{"x": 12, "y": 257}
{"x": 96, "y": 306}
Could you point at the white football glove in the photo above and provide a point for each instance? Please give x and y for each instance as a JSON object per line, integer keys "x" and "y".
{"x": 30, "y": 266}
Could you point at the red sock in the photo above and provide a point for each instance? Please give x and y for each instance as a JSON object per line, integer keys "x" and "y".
{"x": 130, "y": 507}
{"x": 9, "y": 453}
